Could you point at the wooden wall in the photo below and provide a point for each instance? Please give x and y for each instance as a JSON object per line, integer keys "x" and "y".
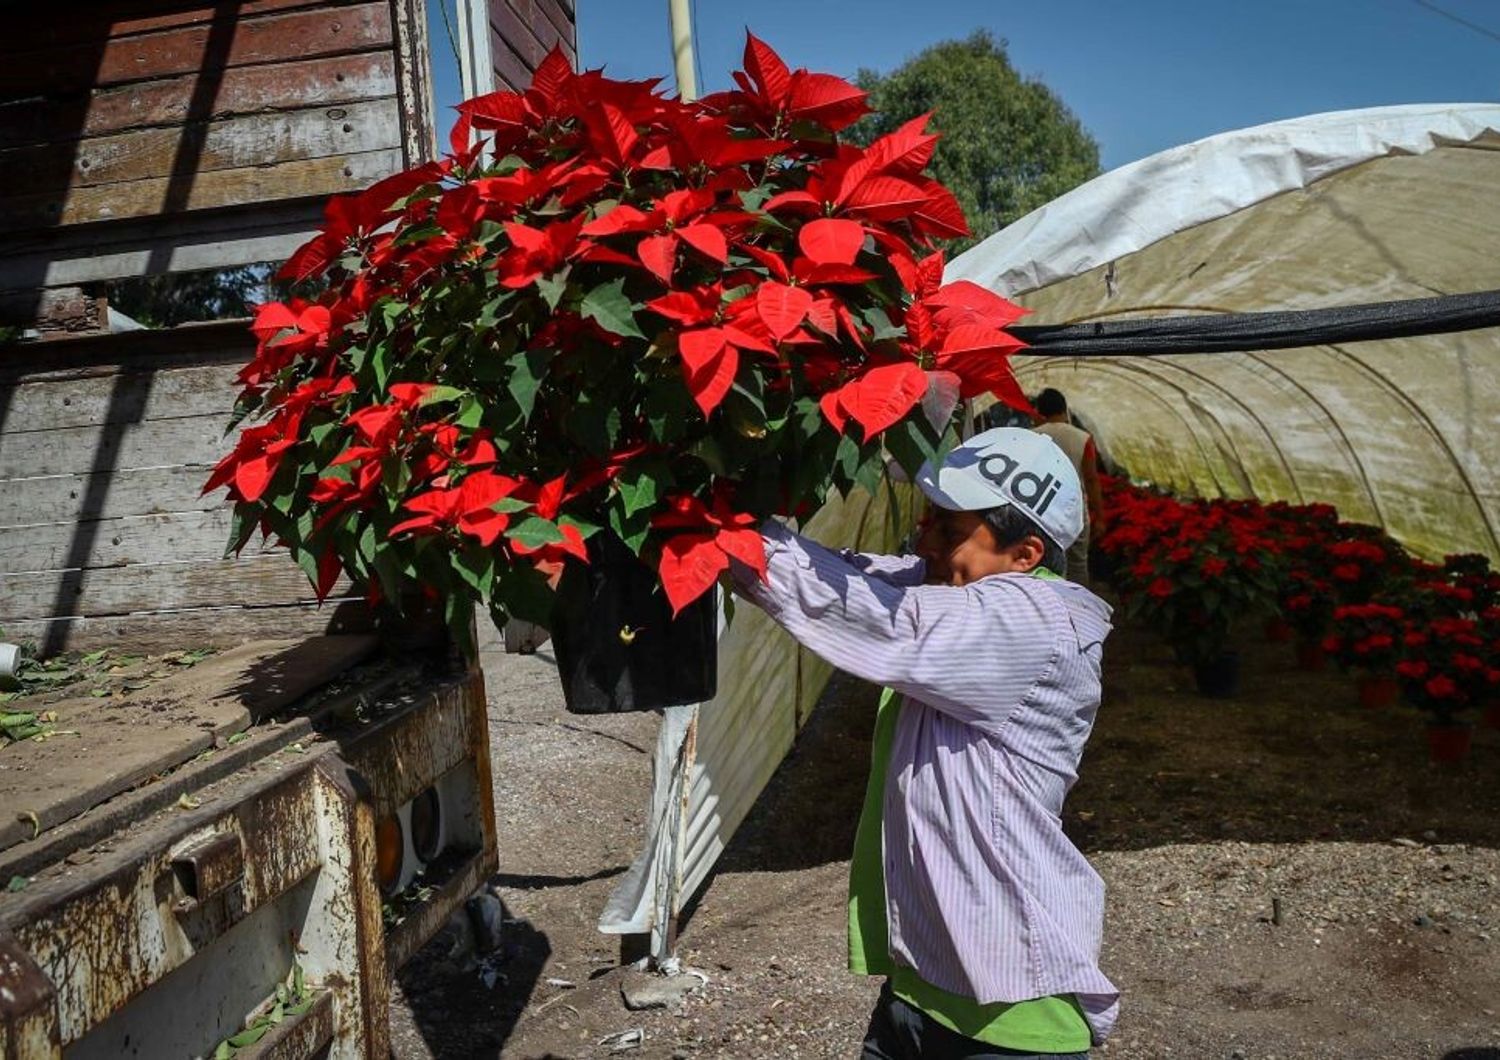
{"x": 122, "y": 113}
{"x": 148, "y": 136}
{"x": 104, "y": 537}
{"x": 522, "y": 32}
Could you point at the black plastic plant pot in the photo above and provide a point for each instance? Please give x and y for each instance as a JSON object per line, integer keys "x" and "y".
{"x": 618, "y": 647}
{"x": 1219, "y": 678}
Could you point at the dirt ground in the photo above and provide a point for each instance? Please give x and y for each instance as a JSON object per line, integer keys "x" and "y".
{"x": 1287, "y": 878}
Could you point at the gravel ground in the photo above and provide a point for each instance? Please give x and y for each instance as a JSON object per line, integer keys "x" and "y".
{"x": 1287, "y": 878}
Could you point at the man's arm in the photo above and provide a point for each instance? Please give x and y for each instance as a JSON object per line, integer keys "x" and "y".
{"x": 972, "y": 652}
{"x": 898, "y": 570}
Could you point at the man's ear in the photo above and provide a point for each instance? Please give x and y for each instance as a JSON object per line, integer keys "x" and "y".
{"x": 1028, "y": 553}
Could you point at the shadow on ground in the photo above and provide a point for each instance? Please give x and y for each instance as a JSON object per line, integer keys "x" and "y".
{"x": 462, "y": 1013}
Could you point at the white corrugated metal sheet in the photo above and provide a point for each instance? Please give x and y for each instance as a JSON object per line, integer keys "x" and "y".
{"x": 767, "y": 689}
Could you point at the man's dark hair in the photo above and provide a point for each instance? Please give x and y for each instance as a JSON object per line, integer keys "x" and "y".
{"x": 1050, "y": 402}
{"x": 1009, "y": 525}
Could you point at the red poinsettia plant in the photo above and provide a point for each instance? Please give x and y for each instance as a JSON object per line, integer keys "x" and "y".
{"x": 609, "y": 310}
{"x": 1189, "y": 569}
{"x": 1366, "y": 637}
{"x": 1449, "y": 664}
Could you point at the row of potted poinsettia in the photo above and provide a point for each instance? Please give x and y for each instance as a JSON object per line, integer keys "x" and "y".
{"x": 1429, "y": 633}
{"x": 610, "y": 328}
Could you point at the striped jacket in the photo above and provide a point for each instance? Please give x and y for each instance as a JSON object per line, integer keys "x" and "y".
{"x": 985, "y": 895}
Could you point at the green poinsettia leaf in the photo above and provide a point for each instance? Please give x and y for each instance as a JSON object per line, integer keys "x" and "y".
{"x": 610, "y": 307}
{"x": 528, "y": 369}
{"x": 441, "y": 393}
{"x": 534, "y": 532}
{"x": 643, "y": 483}
{"x": 552, "y": 288}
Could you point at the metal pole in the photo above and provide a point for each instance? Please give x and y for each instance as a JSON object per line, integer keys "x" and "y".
{"x": 682, "y": 48}
{"x": 664, "y": 936}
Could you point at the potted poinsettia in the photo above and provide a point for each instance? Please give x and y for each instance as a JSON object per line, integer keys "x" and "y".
{"x": 1209, "y": 565}
{"x": 610, "y": 331}
{"x": 1366, "y": 639}
{"x": 1448, "y": 670}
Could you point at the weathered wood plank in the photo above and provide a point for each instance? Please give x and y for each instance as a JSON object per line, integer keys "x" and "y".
{"x": 120, "y": 744}
{"x": 227, "y": 42}
{"x": 519, "y": 30}
{"x": 155, "y": 245}
{"x": 258, "y": 581}
{"x": 179, "y": 537}
{"x": 331, "y": 82}
{"x": 510, "y": 70}
{"x": 212, "y": 627}
{"x": 212, "y": 342}
{"x": 128, "y": 397}
{"x": 202, "y": 191}
{"x": 106, "y": 495}
{"x": 37, "y": 27}
{"x": 74, "y": 450}
{"x": 414, "y": 81}
{"x": 232, "y": 143}
{"x": 551, "y": 24}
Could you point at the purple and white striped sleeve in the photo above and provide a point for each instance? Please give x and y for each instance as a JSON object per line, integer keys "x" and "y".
{"x": 972, "y": 652}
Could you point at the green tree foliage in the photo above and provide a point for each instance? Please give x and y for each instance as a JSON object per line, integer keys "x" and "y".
{"x": 1009, "y": 143}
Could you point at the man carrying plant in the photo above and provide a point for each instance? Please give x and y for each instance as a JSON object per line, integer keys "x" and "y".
{"x": 964, "y": 891}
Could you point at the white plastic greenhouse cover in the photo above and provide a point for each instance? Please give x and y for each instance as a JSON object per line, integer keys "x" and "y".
{"x": 1318, "y": 212}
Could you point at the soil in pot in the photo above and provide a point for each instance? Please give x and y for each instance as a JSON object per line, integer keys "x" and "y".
{"x": 618, "y": 646}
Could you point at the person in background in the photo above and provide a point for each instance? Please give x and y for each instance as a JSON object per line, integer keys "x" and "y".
{"x": 964, "y": 892}
{"x": 1078, "y": 444}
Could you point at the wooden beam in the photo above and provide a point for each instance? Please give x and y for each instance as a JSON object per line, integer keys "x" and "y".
{"x": 179, "y": 537}
{"x": 37, "y": 27}
{"x": 231, "y": 143}
{"x": 519, "y": 30}
{"x": 214, "y": 342}
{"x": 144, "y": 198}
{"x": 510, "y": 70}
{"x": 550, "y": 23}
{"x": 123, "y": 398}
{"x": 206, "y": 626}
{"x": 330, "y": 82}
{"x": 152, "y": 245}
{"x": 414, "y": 80}
{"x": 114, "y": 447}
{"x": 259, "y": 581}
{"x": 88, "y": 496}
{"x": 223, "y": 43}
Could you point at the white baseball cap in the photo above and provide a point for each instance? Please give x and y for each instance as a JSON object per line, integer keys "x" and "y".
{"x": 1010, "y": 465}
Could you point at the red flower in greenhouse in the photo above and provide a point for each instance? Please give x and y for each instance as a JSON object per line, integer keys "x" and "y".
{"x": 1161, "y": 588}
{"x": 1441, "y": 687}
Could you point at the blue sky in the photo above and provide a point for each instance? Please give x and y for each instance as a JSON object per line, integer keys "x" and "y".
{"x": 1141, "y": 75}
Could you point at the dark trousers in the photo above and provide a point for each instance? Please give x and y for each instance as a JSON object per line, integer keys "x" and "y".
{"x": 899, "y": 1032}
